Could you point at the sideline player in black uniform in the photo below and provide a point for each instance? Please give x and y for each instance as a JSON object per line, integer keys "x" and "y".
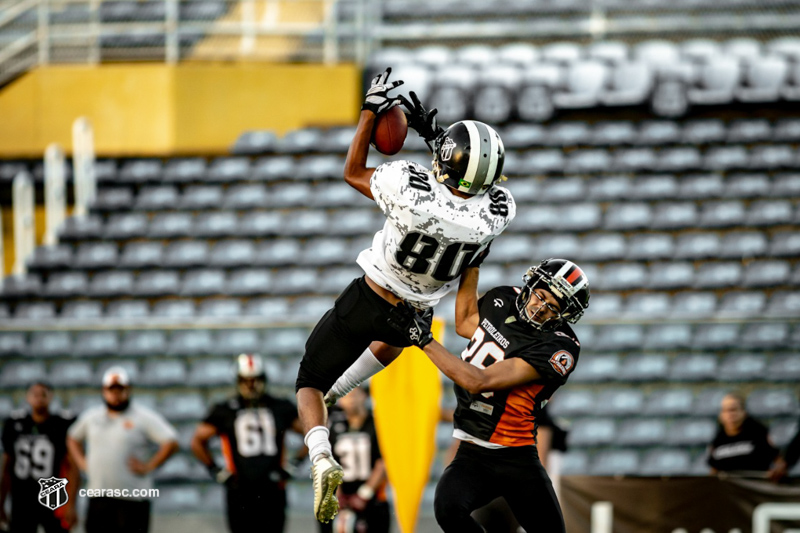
{"x": 521, "y": 351}
{"x": 362, "y": 495}
{"x": 35, "y": 447}
{"x": 251, "y": 427}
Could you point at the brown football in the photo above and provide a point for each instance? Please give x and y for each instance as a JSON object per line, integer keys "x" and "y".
{"x": 390, "y": 131}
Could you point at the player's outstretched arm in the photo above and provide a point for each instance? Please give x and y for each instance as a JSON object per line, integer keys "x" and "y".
{"x": 356, "y": 172}
{"x": 467, "y": 303}
{"x": 500, "y": 376}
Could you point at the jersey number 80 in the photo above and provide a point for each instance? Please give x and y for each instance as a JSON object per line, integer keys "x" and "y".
{"x": 418, "y": 254}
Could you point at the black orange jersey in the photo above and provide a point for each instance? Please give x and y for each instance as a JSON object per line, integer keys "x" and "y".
{"x": 508, "y": 417}
{"x": 35, "y": 451}
{"x": 356, "y": 449}
{"x": 251, "y": 434}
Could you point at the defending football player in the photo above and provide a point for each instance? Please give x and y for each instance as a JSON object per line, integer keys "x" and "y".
{"x": 438, "y": 223}
{"x": 35, "y": 444}
{"x": 521, "y": 350}
{"x": 251, "y": 427}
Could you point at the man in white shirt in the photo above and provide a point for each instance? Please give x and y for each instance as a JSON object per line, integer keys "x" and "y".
{"x": 117, "y": 436}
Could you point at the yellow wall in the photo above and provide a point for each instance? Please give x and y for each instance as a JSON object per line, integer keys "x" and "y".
{"x": 164, "y": 110}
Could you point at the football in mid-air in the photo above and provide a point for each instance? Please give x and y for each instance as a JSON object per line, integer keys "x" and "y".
{"x": 390, "y": 131}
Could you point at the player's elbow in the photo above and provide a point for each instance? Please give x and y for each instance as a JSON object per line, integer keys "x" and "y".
{"x": 476, "y": 384}
{"x": 463, "y": 330}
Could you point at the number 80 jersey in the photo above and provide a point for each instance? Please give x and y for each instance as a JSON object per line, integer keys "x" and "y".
{"x": 430, "y": 234}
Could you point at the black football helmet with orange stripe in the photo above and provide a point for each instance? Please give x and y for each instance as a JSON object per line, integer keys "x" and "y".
{"x": 565, "y": 281}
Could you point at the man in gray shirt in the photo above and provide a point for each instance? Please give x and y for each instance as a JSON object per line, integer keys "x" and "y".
{"x": 117, "y": 436}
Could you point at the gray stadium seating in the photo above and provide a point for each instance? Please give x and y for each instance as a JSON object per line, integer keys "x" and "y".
{"x": 128, "y": 309}
{"x": 145, "y": 343}
{"x": 643, "y": 367}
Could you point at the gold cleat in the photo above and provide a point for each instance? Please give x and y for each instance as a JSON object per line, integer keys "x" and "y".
{"x": 327, "y": 475}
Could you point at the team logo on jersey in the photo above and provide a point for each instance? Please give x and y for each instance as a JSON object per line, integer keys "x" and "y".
{"x": 446, "y": 152}
{"x": 53, "y": 492}
{"x": 498, "y": 302}
{"x": 562, "y": 362}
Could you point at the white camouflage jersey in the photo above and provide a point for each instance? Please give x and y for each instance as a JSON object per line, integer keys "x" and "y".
{"x": 430, "y": 234}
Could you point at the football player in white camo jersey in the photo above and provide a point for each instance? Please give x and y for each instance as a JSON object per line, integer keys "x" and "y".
{"x": 438, "y": 222}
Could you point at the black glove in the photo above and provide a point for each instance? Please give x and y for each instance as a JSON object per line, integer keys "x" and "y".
{"x": 377, "y": 101}
{"x": 415, "y": 328}
{"x": 421, "y": 120}
{"x": 477, "y": 261}
{"x": 220, "y": 475}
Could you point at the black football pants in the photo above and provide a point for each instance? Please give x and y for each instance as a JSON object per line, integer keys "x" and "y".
{"x": 478, "y": 475}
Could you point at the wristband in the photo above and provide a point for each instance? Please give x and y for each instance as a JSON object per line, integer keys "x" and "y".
{"x": 365, "y": 492}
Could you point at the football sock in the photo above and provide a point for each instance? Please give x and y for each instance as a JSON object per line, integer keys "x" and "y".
{"x": 364, "y": 368}
{"x": 318, "y": 444}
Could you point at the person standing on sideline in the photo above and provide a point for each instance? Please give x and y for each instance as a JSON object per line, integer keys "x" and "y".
{"x": 362, "y": 495}
{"x": 35, "y": 448}
{"x": 117, "y": 435}
{"x": 251, "y": 427}
{"x": 742, "y": 443}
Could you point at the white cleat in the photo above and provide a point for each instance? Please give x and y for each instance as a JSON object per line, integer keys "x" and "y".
{"x": 330, "y": 399}
{"x": 327, "y": 476}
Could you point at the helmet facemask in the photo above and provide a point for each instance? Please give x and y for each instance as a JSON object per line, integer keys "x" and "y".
{"x": 571, "y": 308}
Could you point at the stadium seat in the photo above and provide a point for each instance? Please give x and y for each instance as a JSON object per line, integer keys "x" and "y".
{"x": 749, "y": 185}
{"x": 787, "y": 130}
{"x": 170, "y": 225}
{"x": 614, "y": 133}
{"x": 157, "y": 198}
{"x": 615, "y": 462}
{"x": 246, "y": 196}
{"x": 575, "y": 463}
{"x": 278, "y": 252}
{"x": 658, "y": 132}
{"x": 568, "y": 133}
{"x": 96, "y": 255}
{"x": 573, "y": 402}
{"x": 669, "y": 402}
{"x": 739, "y": 367}
{"x": 641, "y": 432}
{"x": 782, "y": 431}
{"x": 635, "y": 159}
{"x": 665, "y": 462}
{"x": 273, "y": 168}
{"x": 658, "y": 187}
{"x": 597, "y": 368}
{"x": 176, "y": 468}
{"x": 772, "y": 157}
{"x": 220, "y": 308}
{"x": 772, "y": 402}
{"x": 259, "y": 224}
{"x": 215, "y": 224}
{"x": 783, "y": 367}
{"x": 540, "y": 162}
{"x": 210, "y": 373}
{"x": 726, "y": 158}
{"x": 784, "y": 304}
{"x": 716, "y": 336}
{"x": 157, "y": 283}
{"x": 668, "y": 336}
{"x": 646, "y": 305}
{"x": 692, "y": 431}
{"x": 229, "y": 169}
{"x": 235, "y": 341}
{"x": 232, "y": 253}
{"x": 336, "y": 194}
{"x": 598, "y": 247}
{"x": 13, "y": 343}
{"x": 517, "y": 248}
{"x": 335, "y": 279}
{"x": 307, "y": 223}
{"x": 203, "y": 282}
{"x": 770, "y": 213}
{"x": 628, "y": 216}
{"x": 128, "y": 309}
{"x": 301, "y": 141}
{"x": 35, "y": 310}
{"x": 185, "y": 254}
{"x": 6, "y": 406}
{"x": 670, "y": 275}
{"x": 518, "y": 136}
{"x": 701, "y": 186}
{"x": 629, "y": 83}
{"x": 113, "y": 199}
{"x": 648, "y": 246}
{"x": 50, "y": 344}
{"x": 141, "y": 254}
{"x": 20, "y": 374}
{"x": 717, "y": 80}
{"x": 604, "y": 188}
{"x": 619, "y": 337}
{"x": 749, "y": 131}
{"x": 766, "y": 273}
{"x": 350, "y": 222}
{"x": 534, "y": 101}
{"x": 311, "y": 308}
{"x": 765, "y": 336}
{"x": 190, "y": 343}
{"x": 674, "y": 215}
{"x": 519, "y": 53}
{"x": 743, "y": 245}
{"x": 163, "y": 373}
{"x": 274, "y": 308}
{"x": 249, "y": 282}
{"x": 698, "y": 246}
{"x": 584, "y": 80}
{"x": 54, "y": 257}
{"x": 493, "y": 98}
{"x": 643, "y": 367}
{"x": 145, "y": 343}
{"x": 586, "y": 432}
{"x": 562, "y": 189}
{"x": 319, "y": 167}
{"x": 141, "y": 171}
{"x": 111, "y": 283}
{"x": 718, "y": 275}
{"x": 708, "y": 400}
{"x": 96, "y": 344}
{"x": 588, "y": 161}
{"x": 66, "y": 284}
{"x": 174, "y": 309}
{"x": 185, "y": 170}
{"x": 742, "y": 304}
{"x": 722, "y": 214}
{"x": 622, "y": 276}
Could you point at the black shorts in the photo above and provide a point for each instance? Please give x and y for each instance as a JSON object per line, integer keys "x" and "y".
{"x": 478, "y": 475}
{"x": 249, "y": 508}
{"x": 357, "y": 319}
{"x": 123, "y": 516}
